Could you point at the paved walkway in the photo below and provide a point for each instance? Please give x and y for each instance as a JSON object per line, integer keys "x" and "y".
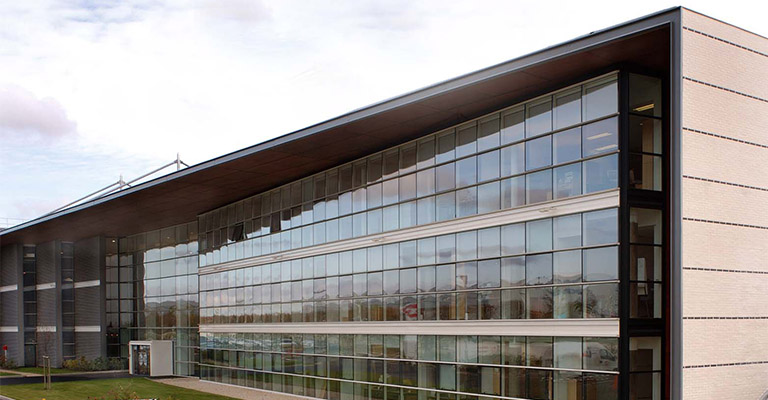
{"x": 19, "y": 373}
{"x": 224, "y": 390}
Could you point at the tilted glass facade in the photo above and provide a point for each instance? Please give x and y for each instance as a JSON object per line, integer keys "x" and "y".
{"x": 528, "y": 226}
{"x": 292, "y": 259}
{"x": 554, "y": 147}
{"x": 414, "y": 366}
{"x": 562, "y": 267}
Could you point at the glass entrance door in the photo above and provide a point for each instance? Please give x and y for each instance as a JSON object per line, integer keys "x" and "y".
{"x": 141, "y": 360}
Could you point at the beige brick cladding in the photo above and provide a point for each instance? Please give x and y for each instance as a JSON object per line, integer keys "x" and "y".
{"x": 724, "y": 294}
{"x": 742, "y": 382}
{"x": 724, "y": 113}
{"x": 714, "y": 157}
{"x": 708, "y": 245}
{"x": 724, "y": 31}
{"x": 718, "y": 341}
{"x": 724, "y": 312}
{"x": 724, "y": 203}
{"x": 723, "y": 64}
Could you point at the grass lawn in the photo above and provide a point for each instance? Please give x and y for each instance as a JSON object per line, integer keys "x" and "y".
{"x": 144, "y": 388}
{"x": 39, "y": 370}
{"x": 7, "y": 374}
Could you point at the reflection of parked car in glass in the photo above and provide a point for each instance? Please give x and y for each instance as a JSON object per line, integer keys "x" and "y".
{"x": 598, "y": 355}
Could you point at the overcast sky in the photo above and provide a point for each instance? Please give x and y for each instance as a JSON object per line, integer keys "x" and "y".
{"x": 90, "y": 90}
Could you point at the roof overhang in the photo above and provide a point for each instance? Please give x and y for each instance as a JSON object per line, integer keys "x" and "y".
{"x": 179, "y": 197}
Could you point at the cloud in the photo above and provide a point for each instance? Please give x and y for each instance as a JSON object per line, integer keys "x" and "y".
{"x": 245, "y": 11}
{"x": 21, "y": 112}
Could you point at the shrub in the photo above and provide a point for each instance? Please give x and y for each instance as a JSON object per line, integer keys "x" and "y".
{"x": 6, "y": 363}
{"x": 97, "y": 364}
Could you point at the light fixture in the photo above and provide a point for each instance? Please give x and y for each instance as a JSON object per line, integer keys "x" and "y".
{"x": 644, "y": 108}
{"x": 608, "y": 147}
{"x": 599, "y": 136}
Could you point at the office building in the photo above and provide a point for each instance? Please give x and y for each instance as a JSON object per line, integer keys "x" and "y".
{"x": 582, "y": 222}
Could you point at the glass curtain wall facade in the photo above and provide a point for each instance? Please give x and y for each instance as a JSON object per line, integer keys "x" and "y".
{"x": 644, "y": 249}
{"x": 152, "y": 293}
{"x": 555, "y": 148}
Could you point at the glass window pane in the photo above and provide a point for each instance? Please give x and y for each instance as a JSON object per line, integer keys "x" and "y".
{"x": 446, "y": 144}
{"x": 513, "y": 271}
{"x": 602, "y": 301}
{"x": 513, "y": 160}
{"x": 512, "y": 192}
{"x": 538, "y": 117}
{"x": 600, "y": 137}
{"x": 567, "y": 231}
{"x": 539, "y": 235}
{"x": 489, "y": 242}
{"x": 566, "y": 146}
{"x": 601, "y": 264}
{"x": 645, "y": 172}
{"x": 445, "y": 279}
{"x": 426, "y": 156}
{"x": 445, "y": 177}
{"x": 600, "y": 98}
{"x": 539, "y": 186}
{"x": 512, "y": 125}
{"x": 488, "y": 197}
{"x": 513, "y": 304}
{"x": 601, "y": 227}
{"x": 645, "y": 95}
{"x": 467, "y": 140}
{"x": 539, "y": 302}
{"x": 568, "y": 385}
{"x": 644, "y": 263}
{"x": 512, "y": 239}
{"x": 539, "y": 351}
{"x": 489, "y": 274}
{"x": 466, "y": 349}
{"x": 601, "y": 386}
{"x": 568, "y": 302}
{"x": 644, "y": 354}
{"x": 644, "y": 135}
{"x": 488, "y": 166}
{"x": 466, "y": 172}
{"x": 447, "y": 348}
{"x": 538, "y": 269}
{"x": 488, "y": 135}
{"x": 601, "y": 354}
{"x": 645, "y": 226}
{"x": 645, "y": 300}
{"x": 568, "y": 108}
{"x": 567, "y": 181}
{"x": 426, "y": 279}
{"x": 568, "y": 353}
{"x": 645, "y": 386}
{"x": 513, "y": 350}
{"x": 466, "y": 275}
{"x": 538, "y": 153}
{"x": 567, "y": 266}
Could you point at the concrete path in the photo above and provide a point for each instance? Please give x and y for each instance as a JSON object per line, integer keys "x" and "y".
{"x": 19, "y": 373}
{"x": 237, "y": 392}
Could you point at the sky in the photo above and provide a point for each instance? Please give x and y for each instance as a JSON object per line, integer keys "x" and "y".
{"x": 91, "y": 90}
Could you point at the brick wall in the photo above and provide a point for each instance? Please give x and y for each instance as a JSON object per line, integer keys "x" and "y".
{"x": 725, "y": 221}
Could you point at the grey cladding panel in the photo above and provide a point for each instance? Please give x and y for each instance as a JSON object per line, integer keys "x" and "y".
{"x": 46, "y": 262}
{"x": 88, "y": 259}
{"x": 9, "y": 303}
{"x": 89, "y": 344}
{"x": 88, "y": 306}
{"x": 10, "y": 259}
